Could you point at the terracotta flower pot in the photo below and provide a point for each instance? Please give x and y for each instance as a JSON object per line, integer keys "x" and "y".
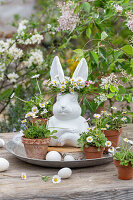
{"x": 124, "y": 172}
{"x": 92, "y": 152}
{"x": 113, "y": 136}
{"x": 39, "y": 120}
{"x": 36, "y": 148}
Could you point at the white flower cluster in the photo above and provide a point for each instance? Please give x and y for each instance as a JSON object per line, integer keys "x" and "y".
{"x": 35, "y": 58}
{"x": 2, "y": 67}
{"x": 35, "y": 110}
{"x": 100, "y": 99}
{"x": 118, "y": 8}
{"x": 130, "y": 22}
{"x": 12, "y": 76}
{"x": 15, "y": 52}
{"x": 71, "y": 85}
{"x": 22, "y": 26}
{"x": 33, "y": 39}
{"x": 108, "y": 81}
{"x": 5, "y": 45}
{"x": 68, "y": 20}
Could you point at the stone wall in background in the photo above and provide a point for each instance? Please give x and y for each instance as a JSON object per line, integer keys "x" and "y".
{"x": 8, "y": 8}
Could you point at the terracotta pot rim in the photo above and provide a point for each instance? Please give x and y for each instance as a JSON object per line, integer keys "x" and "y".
{"x": 94, "y": 148}
{"x": 35, "y": 140}
{"x": 118, "y": 161}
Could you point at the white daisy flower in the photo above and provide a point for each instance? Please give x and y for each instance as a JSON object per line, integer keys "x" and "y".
{"x": 46, "y": 102}
{"x": 113, "y": 108}
{"x": 124, "y": 112}
{"x": 28, "y": 114}
{"x": 126, "y": 140}
{"x": 108, "y": 143}
{"x": 24, "y": 121}
{"x": 34, "y": 109}
{"x": 111, "y": 150}
{"x": 56, "y": 179}
{"x": 63, "y": 86}
{"x": 103, "y": 129}
{"x": 33, "y": 115}
{"x": 75, "y": 85}
{"x": 42, "y": 105}
{"x": 115, "y": 118}
{"x": 89, "y": 139}
{"x": 103, "y": 112}
{"x": 123, "y": 119}
{"x": 36, "y": 76}
{"x": 107, "y": 125}
{"x": 21, "y": 132}
{"x": 44, "y": 112}
{"x": 71, "y": 90}
{"x": 109, "y": 114}
{"x": 97, "y": 116}
{"x": 72, "y": 80}
{"x": 45, "y": 82}
{"x": 23, "y": 176}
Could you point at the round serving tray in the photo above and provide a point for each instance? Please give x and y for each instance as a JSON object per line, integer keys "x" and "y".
{"x": 19, "y": 152}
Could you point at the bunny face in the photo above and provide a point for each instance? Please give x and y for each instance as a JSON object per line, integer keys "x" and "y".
{"x": 66, "y": 107}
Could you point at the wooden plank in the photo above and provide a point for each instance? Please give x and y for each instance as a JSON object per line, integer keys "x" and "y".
{"x": 98, "y": 183}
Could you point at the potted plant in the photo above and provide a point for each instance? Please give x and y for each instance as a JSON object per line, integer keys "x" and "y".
{"x": 111, "y": 124}
{"x": 38, "y": 109}
{"x": 36, "y": 139}
{"x": 123, "y": 160}
{"x": 93, "y": 143}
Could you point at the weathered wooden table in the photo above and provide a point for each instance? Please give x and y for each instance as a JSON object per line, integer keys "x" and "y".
{"x": 98, "y": 183}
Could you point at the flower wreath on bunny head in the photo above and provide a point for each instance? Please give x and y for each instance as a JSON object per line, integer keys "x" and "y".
{"x": 61, "y": 84}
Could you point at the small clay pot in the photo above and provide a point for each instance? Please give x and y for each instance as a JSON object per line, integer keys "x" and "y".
{"x": 113, "y": 136}
{"x": 36, "y": 148}
{"x": 124, "y": 172}
{"x": 41, "y": 121}
{"x": 92, "y": 152}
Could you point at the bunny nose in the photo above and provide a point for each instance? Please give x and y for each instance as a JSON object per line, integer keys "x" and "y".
{"x": 63, "y": 107}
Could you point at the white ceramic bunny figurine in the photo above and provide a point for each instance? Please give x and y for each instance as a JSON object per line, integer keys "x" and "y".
{"x": 67, "y": 119}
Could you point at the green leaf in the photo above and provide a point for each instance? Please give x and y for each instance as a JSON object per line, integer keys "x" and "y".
{"x": 104, "y": 35}
{"x": 122, "y": 90}
{"x": 86, "y": 6}
{"x": 119, "y": 97}
{"x": 112, "y": 88}
{"x": 94, "y": 56}
{"x": 45, "y": 178}
{"x": 88, "y": 32}
{"x": 127, "y": 49}
{"x": 110, "y": 95}
{"x": 79, "y": 52}
{"x": 6, "y": 94}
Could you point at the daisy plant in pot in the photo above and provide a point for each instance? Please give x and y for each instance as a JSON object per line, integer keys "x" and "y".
{"x": 123, "y": 159}
{"x": 38, "y": 109}
{"x": 93, "y": 143}
{"x": 111, "y": 124}
{"x": 36, "y": 139}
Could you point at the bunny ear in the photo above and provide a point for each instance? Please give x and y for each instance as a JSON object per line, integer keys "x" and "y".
{"x": 56, "y": 70}
{"x": 81, "y": 70}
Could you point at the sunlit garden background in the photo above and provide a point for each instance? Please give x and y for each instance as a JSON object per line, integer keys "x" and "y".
{"x": 101, "y": 31}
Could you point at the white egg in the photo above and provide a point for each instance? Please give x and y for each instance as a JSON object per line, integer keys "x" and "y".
{"x": 4, "y": 164}
{"x": 69, "y": 158}
{"x": 53, "y": 156}
{"x": 2, "y": 143}
{"x": 65, "y": 172}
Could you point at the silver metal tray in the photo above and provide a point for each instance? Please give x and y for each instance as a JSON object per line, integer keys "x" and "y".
{"x": 19, "y": 152}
